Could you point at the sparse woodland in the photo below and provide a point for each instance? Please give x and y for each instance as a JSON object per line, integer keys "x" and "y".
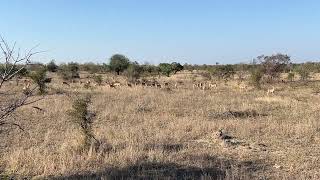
{"x": 125, "y": 120}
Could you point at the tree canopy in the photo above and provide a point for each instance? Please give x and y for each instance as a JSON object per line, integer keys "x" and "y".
{"x": 119, "y": 63}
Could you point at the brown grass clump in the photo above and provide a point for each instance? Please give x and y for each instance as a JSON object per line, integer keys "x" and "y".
{"x": 151, "y": 133}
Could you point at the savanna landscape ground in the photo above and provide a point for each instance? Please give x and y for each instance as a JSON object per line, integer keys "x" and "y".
{"x": 169, "y": 133}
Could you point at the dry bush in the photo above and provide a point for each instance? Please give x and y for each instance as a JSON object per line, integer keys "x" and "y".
{"x": 83, "y": 118}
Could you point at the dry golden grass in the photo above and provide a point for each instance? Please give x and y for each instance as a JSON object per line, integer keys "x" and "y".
{"x": 168, "y": 134}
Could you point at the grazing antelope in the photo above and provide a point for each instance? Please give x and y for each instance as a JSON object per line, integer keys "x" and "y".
{"x": 111, "y": 85}
{"x": 204, "y": 86}
{"x": 116, "y": 84}
{"x": 212, "y": 85}
{"x": 137, "y": 82}
{"x": 158, "y": 86}
{"x": 200, "y": 84}
{"x": 26, "y": 87}
{"x": 176, "y": 85}
{"x": 194, "y": 86}
{"x": 129, "y": 84}
{"x": 271, "y": 91}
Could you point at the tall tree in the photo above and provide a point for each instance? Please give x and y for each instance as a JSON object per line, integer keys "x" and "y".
{"x": 119, "y": 63}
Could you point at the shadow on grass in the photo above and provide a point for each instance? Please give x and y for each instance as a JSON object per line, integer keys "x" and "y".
{"x": 210, "y": 168}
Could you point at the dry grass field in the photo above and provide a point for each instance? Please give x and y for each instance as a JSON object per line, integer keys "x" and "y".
{"x": 170, "y": 133}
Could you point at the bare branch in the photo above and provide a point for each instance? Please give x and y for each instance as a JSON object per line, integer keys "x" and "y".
{"x": 11, "y": 67}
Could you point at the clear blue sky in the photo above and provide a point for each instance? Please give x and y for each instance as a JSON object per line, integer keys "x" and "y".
{"x": 196, "y": 32}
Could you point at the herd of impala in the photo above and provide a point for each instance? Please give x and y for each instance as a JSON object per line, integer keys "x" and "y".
{"x": 202, "y": 85}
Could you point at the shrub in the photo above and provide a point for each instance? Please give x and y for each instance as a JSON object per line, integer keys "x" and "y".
{"x": 151, "y": 69}
{"x": 92, "y": 68}
{"x": 98, "y": 79}
{"x": 69, "y": 71}
{"x": 206, "y": 75}
{"x": 304, "y": 71}
{"x": 224, "y": 71}
{"x": 188, "y": 67}
{"x": 134, "y": 71}
{"x": 52, "y": 67}
{"x": 83, "y": 118}
{"x": 176, "y": 67}
{"x": 40, "y": 77}
{"x": 166, "y": 69}
{"x": 255, "y": 77}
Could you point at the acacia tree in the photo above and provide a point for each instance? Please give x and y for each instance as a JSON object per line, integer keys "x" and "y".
{"x": 119, "y": 63}
{"x": 13, "y": 62}
{"x": 275, "y": 64}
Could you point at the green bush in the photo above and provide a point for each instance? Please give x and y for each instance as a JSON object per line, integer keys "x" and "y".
{"x": 69, "y": 71}
{"x": 39, "y": 77}
{"x": 255, "y": 77}
{"x": 52, "y": 67}
{"x": 304, "y": 71}
{"x": 223, "y": 71}
{"x": 166, "y": 69}
{"x": 92, "y": 68}
{"x": 176, "y": 67}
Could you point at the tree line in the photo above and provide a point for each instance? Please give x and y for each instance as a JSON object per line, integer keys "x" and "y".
{"x": 269, "y": 67}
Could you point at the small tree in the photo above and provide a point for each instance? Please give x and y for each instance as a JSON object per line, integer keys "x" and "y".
{"x": 39, "y": 77}
{"x": 52, "y": 67}
{"x": 188, "y": 67}
{"x": 304, "y": 71}
{"x": 74, "y": 69}
{"x": 69, "y": 71}
{"x": 176, "y": 67}
{"x": 255, "y": 77}
{"x": 224, "y": 71}
{"x": 119, "y": 63}
{"x": 166, "y": 69}
{"x": 151, "y": 69}
{"x": 92, "y": 68}
{"x": 275, "y": 64}
{"x": 134, "y": 71}
{"x": 83, "y": 118}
